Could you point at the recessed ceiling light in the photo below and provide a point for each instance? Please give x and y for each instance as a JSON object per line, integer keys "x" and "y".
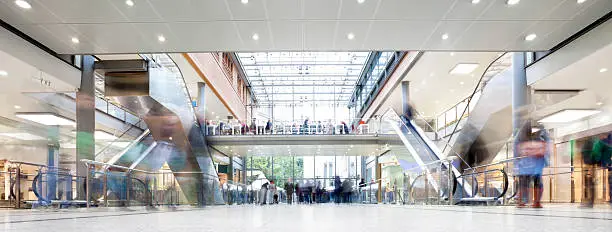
{"x": 513, "y": 2}
{"x": 244, "y": 1}
{"x": 599, "y": 103}
{"x": 129, "y": 3}
{"x": 463, "y": 68}
{"x": 75, "y": 40}
{"x": 255, "y": 36}
{"x": 531, "y": 37}
{"x": 17, "y": 107}
{"x": 580, "y": 1}
{"x": 445, "y": 36}
{"x": 350, "y": 36}
{"x": 360, "y": 1}
{"x": 23, "y": 4}
{"x": 3, "y": 73}
{"x": 568, "y": 116}
{"x": 603, "y": 70}
{"x": 161, "y": 38}
{"x": 212, "y": 113}
{"x": 475, "y": 1}
{"x": 452, "y": 54}
{"x": 48, "y": 119}
{"x": 432, "y": 74}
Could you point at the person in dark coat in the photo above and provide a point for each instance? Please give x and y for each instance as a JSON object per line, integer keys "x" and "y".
{"x": 289, "y": 188}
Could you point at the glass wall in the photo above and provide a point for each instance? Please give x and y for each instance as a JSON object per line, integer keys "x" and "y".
{"x": 301, "y": 168}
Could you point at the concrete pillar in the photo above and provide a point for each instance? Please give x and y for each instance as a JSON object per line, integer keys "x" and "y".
{"x": 520, "y": 99}
{"x": 85, "y": 114}
{"x": 405, "y": 97}
{"x": 200, "y": 110}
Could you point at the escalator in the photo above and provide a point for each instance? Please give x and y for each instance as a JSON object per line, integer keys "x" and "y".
{"x": 174, "y": 139}
{"x": 438, "y": 175}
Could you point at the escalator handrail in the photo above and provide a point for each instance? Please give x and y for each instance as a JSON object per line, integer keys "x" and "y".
{"x": 35, "y": 189}
{"x": 423, "y": 136}
{"x": 117, "y": 139}
{"x": 504, "y": 175}
{"x": 469, "y": 100}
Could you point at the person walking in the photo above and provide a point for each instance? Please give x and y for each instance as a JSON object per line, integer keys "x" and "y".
{"x": 289, "y": 187}
{"x": 361, "y": 185}
{"x": 273, "y": 192}
{"x": 534, "y": 158}
{"x": 263, "y": 193}
{"x": 337, "y": 189}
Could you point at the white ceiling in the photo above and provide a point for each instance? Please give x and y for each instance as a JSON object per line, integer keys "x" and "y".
{"x": 433, "y": 89}
{"x": 111, "y": 26}
{"x": 585, "y": 75}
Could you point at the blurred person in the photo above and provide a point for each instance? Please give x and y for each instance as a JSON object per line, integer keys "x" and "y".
{"x": 607, "y": 163}
{"x": 298, "y": 192}
{"x": 389, "y": 192}
{"x": 289, "y": 187}
{"x": 347, "y": 190}
{"x": 268, "y": 127}
{"x": 273, "y": 192}
{"x": 595, "y": 152}
{"x": 362, "y": 185}
{"x": 263, "y": 193}
{"x": 337, "y": 189}
{"x": 319, "y": 127}
{"x": 319, "y": 192}
{"x": 306, "y": 191}
{"x": 534, "y": 153}
{"x": 313, "y": 192}
{"x": 344, "y": 129}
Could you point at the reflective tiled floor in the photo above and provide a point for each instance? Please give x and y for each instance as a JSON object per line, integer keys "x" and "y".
{"x": 315, "y": 218}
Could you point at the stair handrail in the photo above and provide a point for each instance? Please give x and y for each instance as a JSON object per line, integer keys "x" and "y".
{"x": 481, "y": 84}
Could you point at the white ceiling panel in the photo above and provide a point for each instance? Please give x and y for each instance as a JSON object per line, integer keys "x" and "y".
{"x": 211, "y": 36}
{"x": 454, "y": 30}
{"x": 351, "y": 9}
{"x": 38, "y": 14}
{"x": 413, "y": 9}
{"x": 358, "y": 28}
{"x": 318, "y": 24}
{"x": 465, "y": 10}
{"x": 253, "y": 10}
{"x": 398, "y": 34}
{"x": 85, "y": 11}
{"x": 287, "y": 35}
{"x": 142, "y": 11}
{"x": 524, "y": 10}
{"x": 317, "y": 34}
{"x": 284, "y": 9}
{"x": 189, "y": 10}
{"x": 491, "y": 35}
{"x": 248, "y": 29}
{"x": 321, "y": 9}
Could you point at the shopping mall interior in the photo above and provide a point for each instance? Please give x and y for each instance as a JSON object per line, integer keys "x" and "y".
{"x": 265, "y": 115}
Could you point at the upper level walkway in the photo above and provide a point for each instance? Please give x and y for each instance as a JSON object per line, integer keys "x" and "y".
{"x": 322, "y": 217}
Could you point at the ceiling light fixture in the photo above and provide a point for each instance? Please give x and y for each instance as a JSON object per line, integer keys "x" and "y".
{"x": 17, "y": 107}
{"x": 130, "y": 3}
{"x": 452, "y": 54}
{"x": 463, "y": 68}
{"x": 255, "y": 37}
{"x": 580, "y": 1}
{"x": 161, "y": 38}
{"x": 603, "y": 70}
{"x": 350, "y": 36}
{"x": 513, "y": 2}
{"x": 599, "y": 103}
{"x": 360, "y": 1}
{"x": 445, "y": 36}
{"x": 244, "y": 1}
{"x": 3, "y": 73}
{"x": 475, "y": 1}
{"x": 461, "y": 83}
{"x": 22, "y": 136}
{"x": 75, "y": 40}
{"x": 531, "y": 37}
{"x": 23, "y": 4}
{"x": 48, "y": 119}
{"x": 568, "y": 116}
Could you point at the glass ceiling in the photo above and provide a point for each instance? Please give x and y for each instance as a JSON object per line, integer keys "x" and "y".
{"x": 289, "y": 78}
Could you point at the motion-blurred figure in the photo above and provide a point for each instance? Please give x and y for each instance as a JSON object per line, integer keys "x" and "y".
{"x": 289, "y": 187}
{"x": 337, "y": 189}
{"x": 595, "y": 152}
{"x": 534, "y": 157}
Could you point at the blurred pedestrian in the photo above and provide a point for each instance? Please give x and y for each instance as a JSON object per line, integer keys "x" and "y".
{"x": 263, "y": 193}
{"x": 534, "y": 154}
{"x": 337, "y": 189}
{"x": 289, "y": 187}
{"x": 595, "y": 153}
{"x": 273, "y": 192}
